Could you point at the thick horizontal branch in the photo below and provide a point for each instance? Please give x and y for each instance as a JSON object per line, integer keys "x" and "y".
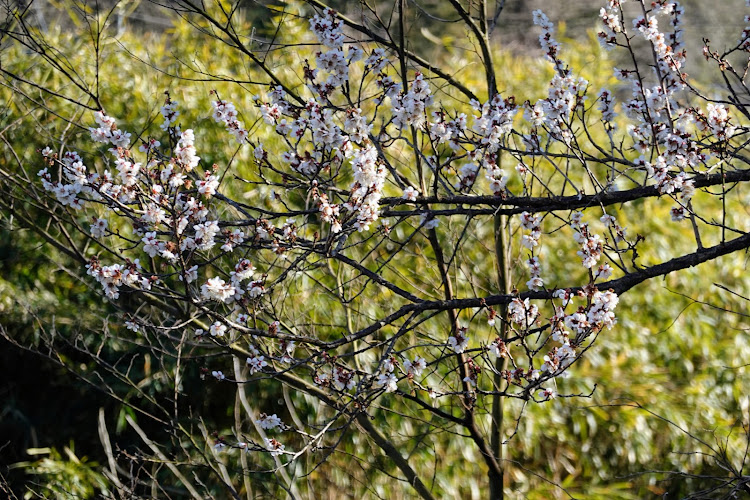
{"x": 521, "y": 204}
{"x": 619, "y": 286}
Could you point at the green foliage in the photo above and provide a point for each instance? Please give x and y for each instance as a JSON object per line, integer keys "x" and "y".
{"x": 62, "y": 475}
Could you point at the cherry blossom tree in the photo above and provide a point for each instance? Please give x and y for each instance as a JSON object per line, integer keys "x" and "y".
{"x": 377, "y": 246}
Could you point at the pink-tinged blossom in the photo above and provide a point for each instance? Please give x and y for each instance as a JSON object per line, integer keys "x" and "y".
{"x": 531, "y": 223}
{"x": 170, "y": 113}
{"x": 389, "y": 381}
{"x": 549, "y": 45}
{"x": 718, "y": 121}
{"x": 608, "y": 220}
{"x": 153, "y": 215}
{"x": 355, "y": 124}
{"x": 604, "y": 272}
{"x": 467, "y": 174}
{"x": 191, "y": 274}
{"x": 409, "y": 109}
{"x": 415, "y": 368}
{"x": 678, "y": 213}
{"x": 564, "y": 295}
{"x": 410, "y": 194}
{"x": 217, "y": 329}
{"x": 343, "y": 379}
{"x": 185, "y": 151}
{"x": 606, "y": 106}
{"x": 149, "y": 146}
{"x": 287, "y": 348}
{"x": 107, "y": 132}
{"x": 256, "y": 363}
{"x": 460, "y": 341}
{"x": 369, "y": 178}
{"x": 99, "y": 228}
{"x": 115, "y": 276}
{"x": 578, "y": 321}
{"x": 445, "y": 131}
{"x": 328, "y": 29}
{"x": 376, "y": 61}
{"x": 495, "y": 121}
{"x": 559, "y": 334}
{"x": 535, "y": 282}
{"x": 174, "y": 179}
{"x": 497, "y": 179}
{"x": 225, "y": 112}
{"x": 151, "y": 245}
{"x": 558, "y": 359}
{"x": 564, "y": 95}
{"x": 233, "y": 239}
{"x": 242, "y": 271}
{"x": 217, "y": 289}
{"x": 128, "y": 171}
{"x": 269, "y": 422}
{"x": 535, "y": 114}
{"x": 335, "y": 64}
{"x": 207, "y": 186}
{"x": 611, "y": 20}
{"x": 389, "y": 364}
{"x": 547, "y": 394}
{"x": 498, "y": 348}
{"x": 474, "y": 371}
{"x": 522, "y": 312}
{"x": 591, "y": 244}
{"x": 270, "y": 113}
{"x": 205, "y": 233}
{"x": 275, "y": 447}
{"x": 601, "y": 313}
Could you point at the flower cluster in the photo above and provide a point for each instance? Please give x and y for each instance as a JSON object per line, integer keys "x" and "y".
{"x": 499, "y": 349}
{"x": 467, "y": 174}
{"x": 107, "y": 131}
{"x": 77, "y": 180}
{"x": 410, "y": 108}
{"x": 169, "y": 113}
{"x": 591, "y": 243}
{"x": 494, "y": 122}
{"x": 535, "y": 282}
{"x": 269, "y": 422}
{"x": 339, "y": 378}
{"x": 117, "y": 275}
{"x": 531, "y": 223}
{"x": 610, "y": 17}
{"x": 550, "y": 46}
{"x": 225, "y": 112}
{"x": 367, "y": 188}
{"x": 522, "y": 312}
{"x": 460, "y": 341}
{"x": 443, "y": 130}
{"x": 387, "y": 378}
{"x": 415, "y": 367}
{"x": 565, "y": 94}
